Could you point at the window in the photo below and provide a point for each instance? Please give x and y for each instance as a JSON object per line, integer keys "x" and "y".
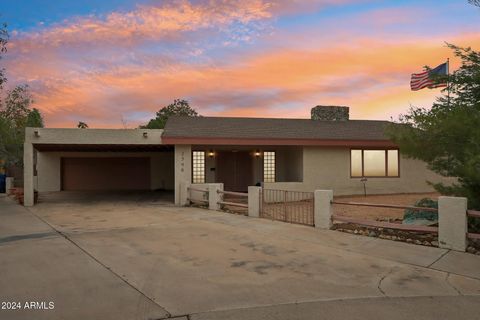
{"x": 198, "y": 173}
{"x": 269, "y": 166}
{"x": 374, "y": 163}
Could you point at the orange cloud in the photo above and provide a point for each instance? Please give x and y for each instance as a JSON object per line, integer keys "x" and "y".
{"x": 100, "y": 85}
{"x": 369, "y": 76}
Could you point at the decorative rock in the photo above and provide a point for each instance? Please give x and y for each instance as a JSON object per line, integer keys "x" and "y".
{"x": 471, "y": 250}
{"x": 372, "y": 234}
{"x": 418, "y": 242}
{"x": 426, "y": 243}
{"x": 435, "y": 243}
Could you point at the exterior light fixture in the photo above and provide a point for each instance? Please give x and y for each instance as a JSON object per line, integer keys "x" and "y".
{"x": 145, "y": 134}
{"x": 211, "y": 153}
{"x": 258, "y": 153}
{"x": 37, "y": 134}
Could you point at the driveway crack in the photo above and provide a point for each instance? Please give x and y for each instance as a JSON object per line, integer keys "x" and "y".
{"x": 441, "y": 256}
{"x": 447, "y": 277}
{"x": 379, "y": 285}
{"x": 100, "y": 263}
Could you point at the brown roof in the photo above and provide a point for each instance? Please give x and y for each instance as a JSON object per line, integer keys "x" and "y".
{"x": 271, "y": 128}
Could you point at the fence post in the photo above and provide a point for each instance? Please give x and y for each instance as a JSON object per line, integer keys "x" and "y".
{"x": 452, "y": 223}
{"x": 254, "y": 201}
{"x": 184, "y": 193}
{"x": 323, "y": 209}
{"x": 214, "y": 196}
{"x": 9, "y": 183}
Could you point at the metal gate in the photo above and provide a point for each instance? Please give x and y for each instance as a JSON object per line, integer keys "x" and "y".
{"x": 288, "y": 206}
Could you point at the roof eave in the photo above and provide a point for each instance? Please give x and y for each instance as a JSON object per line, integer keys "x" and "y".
{"x": 277, "y": 142}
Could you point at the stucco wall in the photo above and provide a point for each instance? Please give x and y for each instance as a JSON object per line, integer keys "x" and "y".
{"x": 48, "y": 170}
{"x": 162, "y": 167}
{"x": 183, "y": 168}
{"x": 49, "y": 165}
{"x": 93, "y": 136}
{"x": 329, "y": 168}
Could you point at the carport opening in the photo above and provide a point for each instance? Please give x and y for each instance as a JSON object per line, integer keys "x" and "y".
{"x": 106, "y": 171}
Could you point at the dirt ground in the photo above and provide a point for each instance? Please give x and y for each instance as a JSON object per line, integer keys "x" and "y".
{"x": 379, "y": 213}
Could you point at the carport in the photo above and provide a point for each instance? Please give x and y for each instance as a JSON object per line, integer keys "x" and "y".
{"x": 96, "y": 160}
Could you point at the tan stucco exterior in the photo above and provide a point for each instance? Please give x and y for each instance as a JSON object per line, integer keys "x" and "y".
{"x": 183, "y": 168}
{"x": 49, "y": 167}
{"x": 297, "y": 168}
{"x": 93, "y": 136}
{"x": 49, "y": 162}
{"x": 329, "y": 168}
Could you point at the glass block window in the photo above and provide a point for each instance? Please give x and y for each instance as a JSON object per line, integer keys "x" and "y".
{"x": 198, "y": 162}
{"x": 269, "y": 166}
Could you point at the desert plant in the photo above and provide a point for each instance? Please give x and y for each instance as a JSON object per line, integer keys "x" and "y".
{"x": 413, "y": 215}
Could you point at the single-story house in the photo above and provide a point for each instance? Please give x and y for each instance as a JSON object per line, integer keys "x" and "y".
{"x": 328, "y": 151}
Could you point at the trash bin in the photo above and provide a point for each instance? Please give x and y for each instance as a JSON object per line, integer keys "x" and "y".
{"x": 2, "y": 183}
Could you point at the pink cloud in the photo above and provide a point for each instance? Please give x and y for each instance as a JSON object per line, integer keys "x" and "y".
{"x": 86, "y": 69}
{"x": 145, "y": 23}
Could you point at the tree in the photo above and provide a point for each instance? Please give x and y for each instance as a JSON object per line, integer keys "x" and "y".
{"x": 179, "y": 107}
{"x": 17, "y": 104}
{"x": 34, "y": 119}
{"x": 15, "y": 116}
{"x": 82, "y": 125}
{"x": 447, "y": 137}
{"x": 3, "y": 48}
{"x": 475, "y": 2}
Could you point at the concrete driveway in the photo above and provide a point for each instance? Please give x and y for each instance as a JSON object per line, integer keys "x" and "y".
{"x": 132, "y": 259}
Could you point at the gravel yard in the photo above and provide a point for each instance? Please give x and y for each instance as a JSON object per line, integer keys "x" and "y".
{"x": 379, "y": 213}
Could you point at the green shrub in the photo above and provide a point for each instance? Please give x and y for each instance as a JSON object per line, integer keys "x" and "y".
{"x": 410, "y": 216}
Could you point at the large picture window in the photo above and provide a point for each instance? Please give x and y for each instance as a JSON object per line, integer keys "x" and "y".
{"x": 269, "y": 166}
{"x": 198, "y": 161}
{"x": 374, "y": 163}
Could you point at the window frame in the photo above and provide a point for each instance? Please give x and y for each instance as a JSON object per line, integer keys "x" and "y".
{"x": 386, "y": 163}
{"x": 204, "y": 167}
{"x": 274, "y": 163}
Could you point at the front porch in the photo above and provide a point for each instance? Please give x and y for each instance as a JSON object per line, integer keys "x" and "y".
{"x": 239, "y": 167}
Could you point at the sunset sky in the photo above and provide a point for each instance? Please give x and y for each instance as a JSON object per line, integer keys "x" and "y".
{"x": 112, "y": 62}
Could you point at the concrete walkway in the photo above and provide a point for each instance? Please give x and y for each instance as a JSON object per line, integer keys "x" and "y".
{"x": 133, "y": 260}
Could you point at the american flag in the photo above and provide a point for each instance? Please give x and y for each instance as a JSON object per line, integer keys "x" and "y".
{"x": 427, "y": 79}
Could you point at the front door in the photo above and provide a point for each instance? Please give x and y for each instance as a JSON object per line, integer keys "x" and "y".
{"x": 234, "y": 170}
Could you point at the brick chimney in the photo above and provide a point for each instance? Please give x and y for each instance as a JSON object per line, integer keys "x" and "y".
{"x": 330, "y": 113}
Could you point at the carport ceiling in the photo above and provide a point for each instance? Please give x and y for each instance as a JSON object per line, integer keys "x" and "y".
{"x": 104, "y": 147}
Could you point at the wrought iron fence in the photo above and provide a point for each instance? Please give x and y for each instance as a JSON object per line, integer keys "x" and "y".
{"x": 288, "y": 206}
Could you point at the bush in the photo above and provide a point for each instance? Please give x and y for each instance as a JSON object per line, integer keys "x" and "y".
{"x": 473, "y": 225}
{"x": 411, "y": 216}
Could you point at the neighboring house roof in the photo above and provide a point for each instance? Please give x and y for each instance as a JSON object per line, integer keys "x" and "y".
{"x": 271, "y": 131}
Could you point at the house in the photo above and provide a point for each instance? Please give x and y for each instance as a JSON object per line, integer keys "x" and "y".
{"x": 328, "y": 151}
